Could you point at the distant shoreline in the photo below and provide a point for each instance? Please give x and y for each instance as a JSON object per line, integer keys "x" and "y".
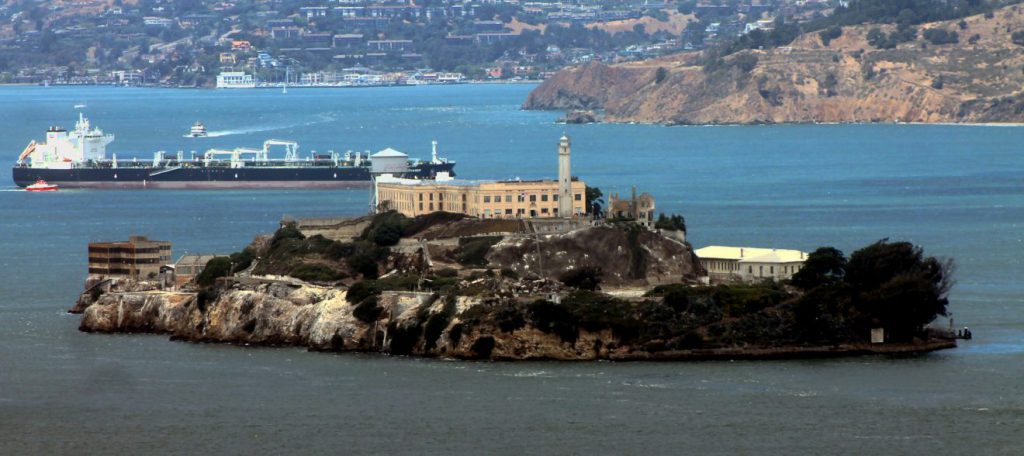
{"x": 498, "y": 82}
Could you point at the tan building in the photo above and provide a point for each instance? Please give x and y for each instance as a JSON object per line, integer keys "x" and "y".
{"x": 565, "y": 197}
{"x": 750, "y": 264}
{"x": 482, "y": 199}
{"x": 136, "y": 258}
{"x": 636, "y": 207}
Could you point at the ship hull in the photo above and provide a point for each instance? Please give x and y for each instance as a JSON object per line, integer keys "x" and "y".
{"x": 213, "y": 177}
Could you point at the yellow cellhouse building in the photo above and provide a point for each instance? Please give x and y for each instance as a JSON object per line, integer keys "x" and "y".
{"x": 565, "y": 197}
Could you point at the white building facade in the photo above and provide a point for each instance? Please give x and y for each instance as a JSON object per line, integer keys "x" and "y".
{"x": 750, "y": 264}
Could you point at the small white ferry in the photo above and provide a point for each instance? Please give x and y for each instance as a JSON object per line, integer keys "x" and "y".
{"x": 198, "y": 130}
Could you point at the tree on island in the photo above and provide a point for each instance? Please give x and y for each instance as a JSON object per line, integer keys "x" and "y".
{"x": 825, "y": 266}
{"x": 674, "y": 222}
{"x": 215, "y": 268}
{"x": 595, "y": 201}
{"x": 891, "y": 285}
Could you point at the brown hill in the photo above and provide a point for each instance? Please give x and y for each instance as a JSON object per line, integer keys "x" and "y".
{"x": 979, "y": 79}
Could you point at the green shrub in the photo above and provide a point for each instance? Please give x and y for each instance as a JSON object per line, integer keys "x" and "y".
{"x": 364, "y": 264}
{"x": 399, "y": 282}
{"x": 939, "y": 36}
{"x": 678, "y": 299}
{"x": 215, "y": 268}
{"x": 660, "y": 75}
{"x": 1016, "y": 37}
{"x": 442, "y": 283}
{"x": 830, "y": 34}
{"x": 509, "y": 317}
{"x": 340, "y": 250}
{"x": 446, "y": 272}
{"x": 473, "y": 251}
{"x": 316, "y": 272}
{"x": 552, "y": 318}
{"x": 387, "y": 235}
{"x": 745, "y": 62}
{"x": 596, "y": 312}
{"x": 738, "y": 300}
{"x": 359, "y": 291}
{"x": 288, "y": 230}
{"x": 675, "y": 222}
{"x": 243, "y": 259}
{"x": 386, "y": 228}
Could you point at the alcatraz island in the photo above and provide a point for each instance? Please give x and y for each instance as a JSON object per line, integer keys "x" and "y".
{"x": 517, "y": 270}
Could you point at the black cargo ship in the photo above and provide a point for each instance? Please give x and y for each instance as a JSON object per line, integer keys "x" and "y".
{"x": 77, "y": 159}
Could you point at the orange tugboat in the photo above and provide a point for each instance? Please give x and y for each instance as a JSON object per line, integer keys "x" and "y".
{"x": 41, "y": 186}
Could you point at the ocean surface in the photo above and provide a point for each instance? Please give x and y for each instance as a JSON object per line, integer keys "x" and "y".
{"x": 956, "y": 190}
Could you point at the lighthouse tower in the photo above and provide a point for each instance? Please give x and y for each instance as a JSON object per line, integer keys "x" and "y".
{"x": 564, "y": 179}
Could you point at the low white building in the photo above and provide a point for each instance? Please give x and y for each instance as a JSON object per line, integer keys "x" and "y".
{"x": 750, "y": 264}
{"x": 235, "y": 80}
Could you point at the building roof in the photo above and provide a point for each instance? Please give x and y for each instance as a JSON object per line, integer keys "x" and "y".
{"x": 195, "y": 259}
{"x": 389, "y": 152}
{"x": 391, "y": 179}
{"x": 751, "y": 254}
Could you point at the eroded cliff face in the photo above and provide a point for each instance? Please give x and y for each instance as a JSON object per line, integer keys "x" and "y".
{"x": 269, "y": 313}
{"x": 254, "y": 312}
{"x": 978, "y": 79}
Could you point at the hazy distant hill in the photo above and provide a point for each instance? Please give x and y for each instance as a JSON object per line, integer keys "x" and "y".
{"x": 978, "y": 78}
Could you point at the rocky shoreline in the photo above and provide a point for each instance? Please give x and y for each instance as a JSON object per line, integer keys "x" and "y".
{"x": 319, "y": 319}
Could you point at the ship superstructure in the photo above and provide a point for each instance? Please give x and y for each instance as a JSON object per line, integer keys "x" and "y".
{"x": 79, "y": 159}
{"x": 63, "y": 149}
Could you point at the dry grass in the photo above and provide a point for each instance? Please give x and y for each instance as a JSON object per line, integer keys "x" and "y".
{"x": 675, "y": 24}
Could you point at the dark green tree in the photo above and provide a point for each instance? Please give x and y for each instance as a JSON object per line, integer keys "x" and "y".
{"x": 824, "y": 266}
{"x": 897, "y": 287}
{"x": 674, "y": 222}
{"x": 595, "y": 201}
{"x": 215, "y": 268}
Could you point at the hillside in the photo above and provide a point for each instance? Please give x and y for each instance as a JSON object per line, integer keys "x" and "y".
{"x": 978, "y": 79}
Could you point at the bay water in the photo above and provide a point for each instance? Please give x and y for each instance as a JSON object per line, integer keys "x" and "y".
{"x": 958, "y": 191}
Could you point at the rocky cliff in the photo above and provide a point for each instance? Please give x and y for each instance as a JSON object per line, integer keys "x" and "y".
{"x": 255, "y": 312}
{"x": 268, "y": 313}
{"x": 979, "y": 79}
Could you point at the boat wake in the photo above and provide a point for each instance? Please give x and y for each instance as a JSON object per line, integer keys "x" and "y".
{"x": 262, "y": 128}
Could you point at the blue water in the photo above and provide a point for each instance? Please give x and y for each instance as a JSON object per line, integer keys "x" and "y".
{"x": 956, "y": 190}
